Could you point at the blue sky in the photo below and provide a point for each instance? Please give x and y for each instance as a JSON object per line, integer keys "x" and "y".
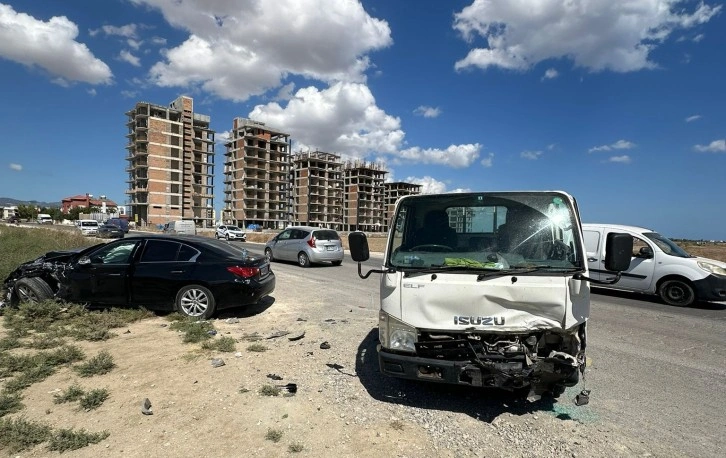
{"x": 620, "y": 104}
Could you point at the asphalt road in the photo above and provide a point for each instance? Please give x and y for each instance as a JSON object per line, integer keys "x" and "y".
{"x": 654, "y": 369}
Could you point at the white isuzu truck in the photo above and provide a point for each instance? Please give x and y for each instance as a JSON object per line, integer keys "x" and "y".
{"x": 487, "y": 289}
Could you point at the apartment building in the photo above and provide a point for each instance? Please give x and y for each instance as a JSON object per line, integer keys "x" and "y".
{"x": 363, "y": 201}
{"x": 317, "y": 186}
{"x": 393, "y": 191}
{"x": 257, "y": 176}
{"x": 170, "y": 163}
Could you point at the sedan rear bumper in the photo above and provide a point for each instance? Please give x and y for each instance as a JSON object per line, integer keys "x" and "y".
{"x": 245, "y": 292}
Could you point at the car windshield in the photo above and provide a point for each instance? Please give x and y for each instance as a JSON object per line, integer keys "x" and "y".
{"x": 667, "y": 245}
{"x": 89, "y": 223}
{"x": 233, "y": 228}
{"x": 486, "y": 231}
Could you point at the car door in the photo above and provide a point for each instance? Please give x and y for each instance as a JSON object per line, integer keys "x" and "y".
{"x": 639, "y": 276}
{"x": 281, "y": 246}
{"x": 163, "y": 267}
{"x": 103, "y": 276}
{"x": 593, "y": 240}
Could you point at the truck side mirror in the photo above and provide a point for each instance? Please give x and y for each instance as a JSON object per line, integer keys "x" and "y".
{"x": 618, "y": 251}
{"x": 358, "y": 244}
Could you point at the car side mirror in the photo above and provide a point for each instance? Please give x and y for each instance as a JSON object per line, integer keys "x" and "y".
{"x": 358, "y": 244}
{"x": 618, "y": 251}
{"x": 645, "y": 252}
{"x": 84, "y": 261}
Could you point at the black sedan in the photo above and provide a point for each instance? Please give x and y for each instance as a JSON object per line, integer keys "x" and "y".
{"x": 110, "y": 231}
{"x": 193, "y": 275}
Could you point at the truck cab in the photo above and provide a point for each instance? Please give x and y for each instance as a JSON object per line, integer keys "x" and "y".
{"x": 487, "y": 289}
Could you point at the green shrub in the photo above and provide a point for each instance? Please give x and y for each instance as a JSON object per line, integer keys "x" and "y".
{"x": 19, "y": 434}
{"x": 98, "y": 365}
{"x": 93, "y": 399}
{"x": 68, "y": 439}
{"x": 223, "y": 344}
{"x": 273, "y": 435}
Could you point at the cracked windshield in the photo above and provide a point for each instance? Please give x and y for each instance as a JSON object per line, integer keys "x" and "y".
{"x": 485, "y": 231}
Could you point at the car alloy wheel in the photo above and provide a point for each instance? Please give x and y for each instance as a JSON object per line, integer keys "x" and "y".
{"x": 303, "y": 260}
{"x": 195, "y": 301}
{"x": 268, "y": 254}
{"x": 32, "y": 290}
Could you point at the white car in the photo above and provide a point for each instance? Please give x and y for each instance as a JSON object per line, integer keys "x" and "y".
{"x": 88, "y": 226}
{"x": 228, "y": 232}
{"x": 658, "y": 266}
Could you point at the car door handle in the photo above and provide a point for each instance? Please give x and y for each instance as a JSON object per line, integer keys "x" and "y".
{"x": 177, "y": 271}
{"x": 591, "y": 259}
{"x": 114, "y": 275}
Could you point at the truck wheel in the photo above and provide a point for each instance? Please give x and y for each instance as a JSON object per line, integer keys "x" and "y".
{"x": 195, "y": 301}
{"x": 32, "y": 290}
{"x": 677, "y": 293}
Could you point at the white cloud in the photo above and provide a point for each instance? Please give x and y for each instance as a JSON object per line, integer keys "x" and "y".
{"x": 429, "y": 185}
{"x": 488, "y": 161}
{"x": 345, "y": 119}
{"x": 126, "y": 31}
{"x": 134, "y": 44}
{"x": 16, "y": 167}
{"x": 92, "y": 92}
{"x": 456, "y": 156}
{"x": 285, "y": 92}
{"x": 716, "y": 146}
{"x": 624, "y": 159}
{"x": 551, "y": 73}
{"x": 595, "y": 35}
{"x": 158, "y": 41}
{"x": 427, "y": 112}
{"x": 531, "y": 155}
{"x": 50, "y": 45}
{"x": 130, "y": 94}
{"x": 693, "y": 118}
{"x": 620, "y": 144}
{"x": 237, "y": 49}
{"x": 126, "y": 56}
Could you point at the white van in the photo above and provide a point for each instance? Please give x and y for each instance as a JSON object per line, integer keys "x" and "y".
{"x": 88, "y": 226}
{"x": 44, "y": 218}
{"x": 658, "y": 266}
{"x": 184, "y": 226}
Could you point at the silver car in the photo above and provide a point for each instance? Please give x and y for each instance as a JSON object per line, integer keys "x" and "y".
{"x": 306, "y": 245}
{"x": 230, "y": 233}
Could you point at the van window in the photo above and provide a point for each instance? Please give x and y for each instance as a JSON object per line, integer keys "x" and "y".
{"x": 592, "y": 241}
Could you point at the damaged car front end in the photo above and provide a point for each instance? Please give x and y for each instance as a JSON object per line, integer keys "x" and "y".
{"x": 42, "y": 278}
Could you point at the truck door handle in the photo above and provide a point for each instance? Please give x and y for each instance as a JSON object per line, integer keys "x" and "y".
{"x": 591, "y": 259}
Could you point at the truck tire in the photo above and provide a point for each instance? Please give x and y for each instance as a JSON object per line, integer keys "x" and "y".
{"x": 32, "y": 290}
{"x": 678, "y": 293}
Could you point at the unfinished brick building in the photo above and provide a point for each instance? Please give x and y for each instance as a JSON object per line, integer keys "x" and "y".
{"x": 170, "y": 163}
{"x": 394, "y": 191}
{"x": 257, "y": 176}
{"x": 317, "y": 190}
{"x": 363, "y": 201}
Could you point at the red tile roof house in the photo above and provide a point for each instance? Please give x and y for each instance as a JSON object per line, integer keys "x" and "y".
{"x": 87, "y": 201}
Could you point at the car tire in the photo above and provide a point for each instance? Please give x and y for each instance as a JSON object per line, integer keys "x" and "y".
{"x": 226, "y": 237}
{"x": 678, "y": 293}
{"x": 303, "y": 260}
{"x": 268, "y": 254}
{"x": 216, "y": 236}
{"x": 337, "y": 263}
{"x": 32, "y": 290}
{"x": 195, "y": 301}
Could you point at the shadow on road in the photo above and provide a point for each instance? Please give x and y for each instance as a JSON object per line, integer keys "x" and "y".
{"x": 484, "y": 404}
{"x": 248, "y": 310}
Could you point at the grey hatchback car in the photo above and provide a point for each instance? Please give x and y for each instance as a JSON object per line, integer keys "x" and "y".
{"x": 306, "y": 245}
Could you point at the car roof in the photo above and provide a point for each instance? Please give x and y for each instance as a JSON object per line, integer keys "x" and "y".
{"x": 621, "y": 227}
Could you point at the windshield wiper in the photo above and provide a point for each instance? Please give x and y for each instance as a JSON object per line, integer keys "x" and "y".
{"x": 527, "y": 270}
{"x": 438, "y": 269}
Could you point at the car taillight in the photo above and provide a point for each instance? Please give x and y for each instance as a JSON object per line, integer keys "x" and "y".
{"x": 244, "y": 272}
{"x": 311, "y": 242}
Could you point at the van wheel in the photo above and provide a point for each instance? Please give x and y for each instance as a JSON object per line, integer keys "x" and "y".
{"x": 32, "y": 290}
{"x": 303, "y": 260}
{"x": 195, "y": 301}
{"x": 677, "y": 293}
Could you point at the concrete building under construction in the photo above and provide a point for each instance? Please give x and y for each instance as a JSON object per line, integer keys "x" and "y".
{"x": 170, "y": 163}
{"x": 363, "y": 201}
{"x": 257, "y": 176}
{"x": 317, "y": 184}
{"x": 394, "y": 191}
